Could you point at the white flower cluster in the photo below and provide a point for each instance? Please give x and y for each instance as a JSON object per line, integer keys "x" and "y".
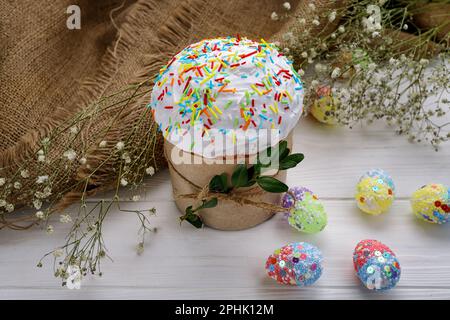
{"x": 372, "y": 23}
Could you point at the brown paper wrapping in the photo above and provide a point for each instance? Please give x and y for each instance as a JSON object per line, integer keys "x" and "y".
{"x": 227, "y": 215}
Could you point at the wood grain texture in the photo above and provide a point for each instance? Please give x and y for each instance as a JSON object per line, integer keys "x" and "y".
{"x": 180, "y": 262}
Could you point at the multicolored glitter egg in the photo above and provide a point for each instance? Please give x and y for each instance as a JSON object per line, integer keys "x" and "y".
{"x": 375, "y": 192}
{"x": 218, "y": 94}
{"x": 432, "y": 203}
{"x": 376, "y": 265}
{"x": 297, "y": 263}
{"x": 306, "y": 212}
{"x": 324, "y": 106}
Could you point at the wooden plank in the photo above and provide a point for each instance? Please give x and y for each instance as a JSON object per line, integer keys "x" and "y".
{"x": 180, "y": 261}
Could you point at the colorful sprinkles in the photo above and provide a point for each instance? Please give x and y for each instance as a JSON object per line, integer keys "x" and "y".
{"x": 306, "y": 214}
{"x": 297, "y": 264}
{"x": 375, "y": 192}
{"x": 432, "y": 203}
{"x": 376, "y": 265}
{"x": 229, "y": 84}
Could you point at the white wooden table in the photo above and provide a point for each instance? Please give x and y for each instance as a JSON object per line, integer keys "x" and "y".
{"x": 181, "y": 262}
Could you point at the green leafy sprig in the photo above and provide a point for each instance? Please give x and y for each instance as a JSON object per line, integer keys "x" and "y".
{"x": 278, "y": 157}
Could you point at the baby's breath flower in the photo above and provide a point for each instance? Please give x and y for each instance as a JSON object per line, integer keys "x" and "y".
{"x": 70, "y": 154}
{"x": 65, "y": 218}
{"x": 123, "y": 182}
{"x": 120, "y": 145}
{"x": 319, "y": 67}
{"x": 41, "y": 158}
{"x": 302, "y": 21}
{"x": 2, "y": 203}
{"x": 41, "y": 179}
{"x": 46, "y": 141}
{"x": 341, "y": 29}
{"x": 2, "y": 182}
{"x": 316, "y": 22}
{"x": 312, "y": 6}
{"x": 288, "y": 36}
{"x": 150, "y": 171}
{"x": 304, "y": 54}
{"x": 74, "y": 276}
{"x": 50, "y": 229}
{"x": 126, "y": 157}
{"x": 332, "y": 16}
{"x": 24, "y": 174}
{"x": 336, "y": 73}
{"x": 287, "y": 6}
{"x": 9, "y": 207}
{"x": 405, "y": 27}
{"x": 274, "y": 16}
{"x": 136, "y": 198}
{"x": 140, "y": 248}
{"x": 17, "y": 185}
{"x": 74, "y": 130}
{"x": 103, "y": 144}
{"x": 58, "y": 253}
{"x": 40, "y": 215}
{"x": 83, "y": 160}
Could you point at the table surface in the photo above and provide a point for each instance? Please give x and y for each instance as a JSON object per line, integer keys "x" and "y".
{"x": 181, "y": 262}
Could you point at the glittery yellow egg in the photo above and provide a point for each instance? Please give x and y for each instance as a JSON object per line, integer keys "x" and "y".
{"x": 375, "y": 192}
{"x": 324, "y": 109}
{"x": 324, "y": 106}
{"x": 432, "y": 203}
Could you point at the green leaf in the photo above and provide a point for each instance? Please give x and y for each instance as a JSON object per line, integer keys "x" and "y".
{"x": 211, "y": 203}
{"x": 270, "y": 184}
{"x": 282, "y": 148}
{"x": 219, "y": 183}
{"x": 273, "y": 156}
{"x": 291, "y": 161}
{"x": 240, "y": 176}
{"x": 284, "y": 154}
{"x": 263, "y": 158}
{"x": 194, "y": 220}
{"x": 189, "y": 210}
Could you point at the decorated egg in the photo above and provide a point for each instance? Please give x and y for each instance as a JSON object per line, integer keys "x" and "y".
{"x": 305, "y": 211}
{"x": 432, "y": 203}
{"x": 324, "y": 106}
{"x": 297, "y": 263}
{"x": 375, "y": 192}
{"x": 376, "y": 265}
{"x": 217, "y": 95}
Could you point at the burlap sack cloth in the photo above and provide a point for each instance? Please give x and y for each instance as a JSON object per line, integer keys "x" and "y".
{"x": 49, "y": 73}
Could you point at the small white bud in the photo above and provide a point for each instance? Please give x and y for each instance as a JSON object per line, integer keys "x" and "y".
{"x": 120, "y": 145}
{"x": 274, "y": 16}
{"x": 150, "y": 171}
{"x": 24, "y": 174}
{"x": 40, "y": 215}
{"x": 287, "y": 6}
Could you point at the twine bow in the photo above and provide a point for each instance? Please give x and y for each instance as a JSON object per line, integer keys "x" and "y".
{"x": 241, "y": 197}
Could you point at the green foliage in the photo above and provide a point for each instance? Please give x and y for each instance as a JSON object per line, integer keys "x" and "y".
{"x": 278, "y": 157}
